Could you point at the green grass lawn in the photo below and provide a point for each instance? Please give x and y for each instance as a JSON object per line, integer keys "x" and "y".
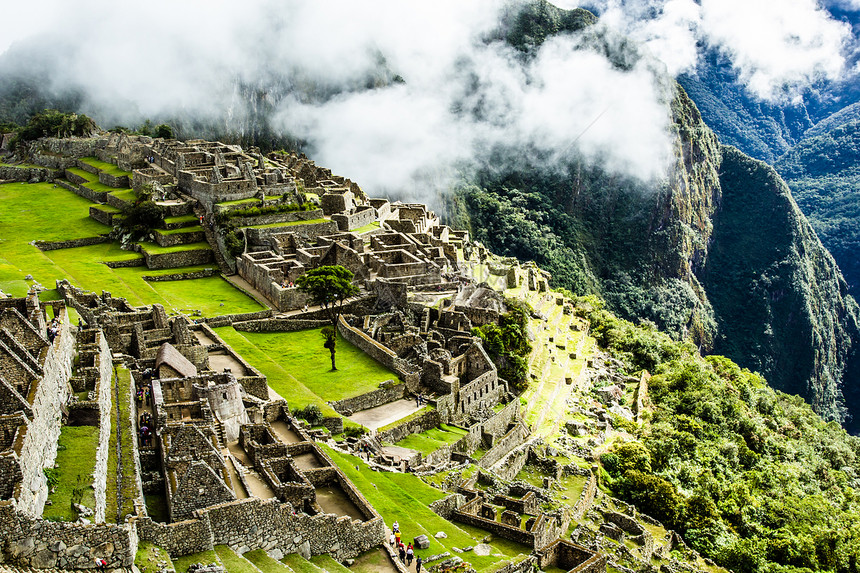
{"x": 149, "y": 557}
{"x": 299, "y": 368}
{"x": 405, "y": 498}
{"x": 106, "y": 208}
{"x": 327, "y": 563}
{"x": 102, "y": 188}
{"x": 433, "y": 439}
{"x": 83, "y": 267}
{"x": 108, "y": 168}
{"x": 38, "y": 211}
{"x": 240, "y": 202}
{"x": 369, "y": 227}
{"x": 76, "y": 457}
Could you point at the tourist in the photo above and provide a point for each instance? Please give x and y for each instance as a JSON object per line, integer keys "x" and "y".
{"x": 139, "y": 397}
{"x": 418, "y": 563}
{"x": 401, "y": 550}
{"x": 306, "y": 307}
{"x": 392, "y": 540}
{"x": 397, "y": 537}
{"x": 410, "y": 553}
{"x": 147, "y": 393}
{"x": 395, "y": 527}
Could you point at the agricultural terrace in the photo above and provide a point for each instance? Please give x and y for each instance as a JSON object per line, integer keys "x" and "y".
{"x": 44, "y": 212}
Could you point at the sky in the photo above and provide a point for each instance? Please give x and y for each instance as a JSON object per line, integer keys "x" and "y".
{"x": 462, "y": 97}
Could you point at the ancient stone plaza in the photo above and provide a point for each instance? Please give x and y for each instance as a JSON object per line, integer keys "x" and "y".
{"x": 197, "y": 451}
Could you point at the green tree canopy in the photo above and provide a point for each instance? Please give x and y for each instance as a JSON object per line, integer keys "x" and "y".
{"x": 329, "y": 286}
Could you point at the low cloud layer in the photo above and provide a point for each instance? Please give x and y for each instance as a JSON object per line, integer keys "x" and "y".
{"x": 778, "y": 47}
{"x": 328, "y": 74}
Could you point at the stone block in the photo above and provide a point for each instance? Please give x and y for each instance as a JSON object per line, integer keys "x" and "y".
{"x": 421, "y": 542}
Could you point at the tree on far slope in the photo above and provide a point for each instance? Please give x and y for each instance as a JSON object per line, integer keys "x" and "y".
{"x": 329, "y": 286}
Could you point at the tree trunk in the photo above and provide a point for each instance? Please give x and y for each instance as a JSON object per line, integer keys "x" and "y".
{"x": 333, "y": 367}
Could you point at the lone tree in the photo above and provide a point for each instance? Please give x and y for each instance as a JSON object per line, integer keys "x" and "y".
{"x": 329, "y": 287}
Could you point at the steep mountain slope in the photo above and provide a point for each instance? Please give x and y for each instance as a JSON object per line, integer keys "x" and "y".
{"x": 780, "y": 301}
{"x": 823, "y": 172}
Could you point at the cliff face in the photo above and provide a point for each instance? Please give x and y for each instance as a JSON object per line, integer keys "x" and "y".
{"x": 781, "y": 304}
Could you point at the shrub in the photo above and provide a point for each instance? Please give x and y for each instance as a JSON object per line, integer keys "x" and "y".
{"x": 311, "y": 413}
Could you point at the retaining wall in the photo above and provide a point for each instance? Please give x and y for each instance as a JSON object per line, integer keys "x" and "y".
{"x": 371, "y": 399}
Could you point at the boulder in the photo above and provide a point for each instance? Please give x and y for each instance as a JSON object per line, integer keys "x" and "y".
{"x": 421, "y": 542}
{"x": 482, "y": 549}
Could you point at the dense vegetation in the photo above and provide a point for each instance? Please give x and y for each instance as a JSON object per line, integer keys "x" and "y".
{"x": 752, "y": 477}
{"x": 823, "y": 172}
{"x": 53, "y": 123}
{"x": 508, "y": 344}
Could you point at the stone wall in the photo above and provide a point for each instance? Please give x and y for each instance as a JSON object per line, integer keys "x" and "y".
{"x": 12, "y": 173}
{"x": 371, "y": 399}
{"x": 279, "y": 325}
{"x": 229, "y": 319}
{"x": 119, "y": 182}
{"x": 103, "y": 391}
{"x": 516, "y": 437}
{"x": 509, "y": 466}
{"x": 173, "y": 239}
{"x": 85, "y": 242}
{"x": 47, "y": 395}
{"x": 469, "y": 514}
{"x": 585, "y": 498}
{"x": 422, "y": 423}
{"x": 33, "y": 542}
{"x": 571, "y": 557}
{"x": 85, "y": 192}
{"x": 308, "y": 230}
{"x": 178, "y": 259}
{"x": 268, "y": 218}
{"x": 264, "y": 524}
{"x": 364, "y": 215}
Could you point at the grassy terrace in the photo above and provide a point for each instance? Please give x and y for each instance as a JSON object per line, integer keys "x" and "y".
{"x": 367, "y": 228}
{"x": 405, "y": 498}
{"x": 287, "y": 224}
{"x": 180, "y": 219}
{"x": 194, "y": 229}
{"x": 182, "y": 564}
{"x": 127, "y": 195}
{"x": 44, "y": 212}
{"x": 106, "y": 208}
{"x": 155, "y": 249}
{"x": 76, "y": 458}
{"x": 298, "y": 367}
{"x": 433, "y": 439}
{"x": 108, "y": 168}
{"x": 85, "y": 174}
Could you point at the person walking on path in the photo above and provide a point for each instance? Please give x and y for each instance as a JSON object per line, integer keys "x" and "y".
{"x": 418, "y": 563}
{"x": 392, "y": 540}
{"x": 410, "y": 553}
{"x": 401, "y": 549}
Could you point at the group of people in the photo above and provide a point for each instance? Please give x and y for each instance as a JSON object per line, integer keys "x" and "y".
{"x": 143, "y": 395}
{"x": 53, "y": 329}
{"x": 406, "y": 552}
{"x": 420, "y": 399}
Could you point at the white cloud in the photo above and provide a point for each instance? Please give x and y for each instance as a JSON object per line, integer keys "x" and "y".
{"x": 777, "y": 46}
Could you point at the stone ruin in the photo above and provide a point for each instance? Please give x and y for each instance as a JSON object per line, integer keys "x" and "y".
{"x": 233, "y": 465}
